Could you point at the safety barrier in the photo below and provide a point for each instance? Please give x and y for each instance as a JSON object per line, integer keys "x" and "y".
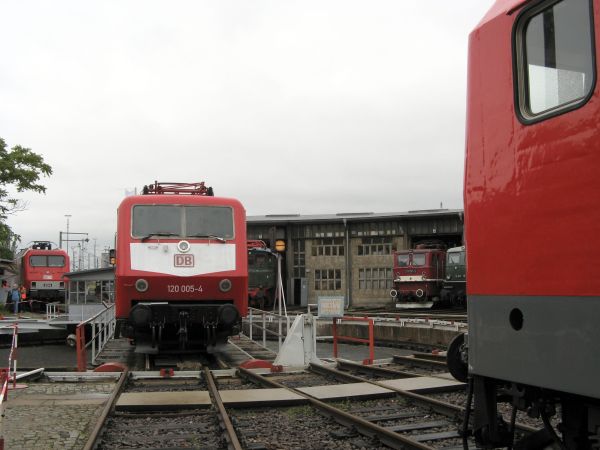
{"x": 102, "y": 327}
{"x": 5, "y": 376}
{"x": 370, "y": 340}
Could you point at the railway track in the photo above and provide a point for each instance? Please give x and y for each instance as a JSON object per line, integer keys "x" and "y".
{"x": 144, "y": 426}
{"x": 428, "y": 419}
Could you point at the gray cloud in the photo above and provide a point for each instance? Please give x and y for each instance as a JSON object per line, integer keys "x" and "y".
{"x": 307, "y": 107}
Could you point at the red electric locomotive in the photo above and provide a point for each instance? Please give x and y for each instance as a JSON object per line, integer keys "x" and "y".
{"x": 531, "y": 182}
{"x": 181, "y": 267}
{"x": 418, "y": 277}
{"x": 42, "y": 270}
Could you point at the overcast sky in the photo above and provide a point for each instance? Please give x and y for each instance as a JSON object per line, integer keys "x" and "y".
{"x": 292, "y": 107}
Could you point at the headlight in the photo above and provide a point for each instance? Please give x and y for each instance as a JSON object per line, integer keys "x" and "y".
{"x": 140, "y": 315}
{"x": 183, "y": 246}
{"x": 225, "y": 285}
{"x": 228, "y": 315}
{"x": 141, "y": 285}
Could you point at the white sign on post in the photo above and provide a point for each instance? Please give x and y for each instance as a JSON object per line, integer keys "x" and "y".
{"x": 330, "y": 307}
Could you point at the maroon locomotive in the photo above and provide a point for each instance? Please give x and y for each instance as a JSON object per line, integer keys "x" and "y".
{"x": 418, "y": 276}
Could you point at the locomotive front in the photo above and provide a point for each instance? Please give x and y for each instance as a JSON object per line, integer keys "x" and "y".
{"x": 42, "y": 270}
{"x": 181, "y": 268}
{"x": 417, "y": 278}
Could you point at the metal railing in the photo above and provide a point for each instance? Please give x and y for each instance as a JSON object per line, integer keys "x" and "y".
{"x": 370, "y": 341}
{"x": 53, "y": 311}
{"x": 102, "y": 330}
{"x": 259, "y": 319}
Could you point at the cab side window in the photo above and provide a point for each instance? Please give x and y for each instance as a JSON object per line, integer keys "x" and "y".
{"x": 554, "y": 56}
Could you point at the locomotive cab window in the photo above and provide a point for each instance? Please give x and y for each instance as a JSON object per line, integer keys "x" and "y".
{"x": 418, "y": 259}
{"x": 56, "y": 261}
{"x": 47, "y": 261}
{"x": 37, "y": 261}
{"x": 182, "y": 221}
{"x": 554, "y": 58}
{"x": 402, "y": 260}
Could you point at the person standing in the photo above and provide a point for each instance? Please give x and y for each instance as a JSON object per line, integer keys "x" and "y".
{"x": 23, "y": 293}
{"x": 4, "y": 294}
{"x": 15, "y": 294}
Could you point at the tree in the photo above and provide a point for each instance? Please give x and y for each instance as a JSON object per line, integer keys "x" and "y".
{"x": 21, "y": 169}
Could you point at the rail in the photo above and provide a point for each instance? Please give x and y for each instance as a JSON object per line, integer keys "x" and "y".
{"x": 5, "y": 376}
{"x": 102, "y": 330}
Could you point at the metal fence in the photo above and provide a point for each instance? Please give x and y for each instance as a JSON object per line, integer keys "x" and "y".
{"x": 102, "y": 327}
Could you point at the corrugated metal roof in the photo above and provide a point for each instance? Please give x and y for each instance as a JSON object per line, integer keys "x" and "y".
{"x": 289, "y": 218}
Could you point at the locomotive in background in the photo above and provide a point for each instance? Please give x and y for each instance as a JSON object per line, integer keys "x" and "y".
{"x": 41, "y": 271}
{"x": 181, "y": 268}
{"x": 532, "y": 160}
{"x": 429, "y": 276}
{"x": 418, "y": 276}
{"x": 262, "y": 274}
{"x": 454, "y": 287}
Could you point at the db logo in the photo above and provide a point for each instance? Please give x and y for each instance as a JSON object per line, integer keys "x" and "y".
{"x": 184, "y": 260}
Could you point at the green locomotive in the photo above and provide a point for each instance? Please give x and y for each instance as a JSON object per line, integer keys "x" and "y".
{"x": 262, "y": 275}
{"x": 454, "y": 289}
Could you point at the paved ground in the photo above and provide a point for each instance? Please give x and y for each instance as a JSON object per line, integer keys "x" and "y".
{"x": 53, "y": 415}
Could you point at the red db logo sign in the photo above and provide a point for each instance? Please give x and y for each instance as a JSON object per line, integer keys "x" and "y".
{"x": 184, "y": 260}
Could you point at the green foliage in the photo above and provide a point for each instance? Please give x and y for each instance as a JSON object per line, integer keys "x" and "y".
{"x": 8, "y": 242}
{"x": 20, "y": 168}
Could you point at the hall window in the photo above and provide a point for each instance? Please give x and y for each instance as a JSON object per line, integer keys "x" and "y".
{"x": 375, "y": 278}
{"x": 375, "y": 246}
{"x": 328, "y": 247}
{"x": 328, "y": 279}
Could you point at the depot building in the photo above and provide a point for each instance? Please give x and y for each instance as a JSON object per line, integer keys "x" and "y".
{"x": 349, "y": 254}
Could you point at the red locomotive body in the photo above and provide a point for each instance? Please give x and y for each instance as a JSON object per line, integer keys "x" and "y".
{"x": 418, "y": 277}
{"x": 42, "y": 270}
{"x": 531, "y": 180}
{"x": 181, "y": 267}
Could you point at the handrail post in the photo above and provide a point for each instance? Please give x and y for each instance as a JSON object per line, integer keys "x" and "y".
{"x": 250, "y": 325}
{"x": 371, "y": 342}
{"x": 334, "y": 329}
{"x": 264, "y": 324}
{"x": 81, "y": 356}
{"x": 93, "y": 342}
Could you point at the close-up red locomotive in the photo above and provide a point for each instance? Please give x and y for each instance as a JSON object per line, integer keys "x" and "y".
{"x": 181, "y": 267}
{"x": 532, "y": 160}
{"x": 42, "y": 270}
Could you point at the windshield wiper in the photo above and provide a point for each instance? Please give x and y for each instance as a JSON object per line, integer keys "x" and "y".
{"x": 158, "y": 233}
{"x": 208, "y": 236}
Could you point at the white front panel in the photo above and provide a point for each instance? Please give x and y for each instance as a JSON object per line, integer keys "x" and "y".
{"x": 46, "y": 285}
{"x": 160, "y": 258}
{"x": 409, "y": 278}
